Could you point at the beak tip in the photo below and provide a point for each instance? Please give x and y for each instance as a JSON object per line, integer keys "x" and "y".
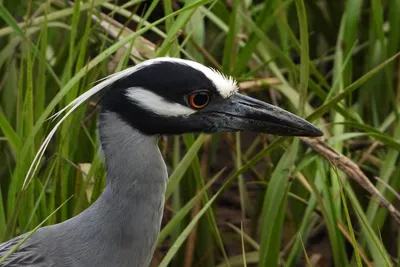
{"x": 314, "y": 132}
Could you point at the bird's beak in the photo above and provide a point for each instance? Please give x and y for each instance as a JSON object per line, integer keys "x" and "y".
{"x": 243, "y": 113}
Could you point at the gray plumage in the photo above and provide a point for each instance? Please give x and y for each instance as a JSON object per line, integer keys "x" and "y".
{"x": 158, "y": 97}
{"x": 128, "y": 212}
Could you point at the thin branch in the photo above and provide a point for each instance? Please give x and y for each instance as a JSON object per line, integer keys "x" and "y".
{"x": 352, "y": 170}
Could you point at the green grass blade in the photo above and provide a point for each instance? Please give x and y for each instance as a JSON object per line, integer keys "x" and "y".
{"x": 12, "y": 137}
{"x": 274, "y": 208}
{"x": 183, "y": 165}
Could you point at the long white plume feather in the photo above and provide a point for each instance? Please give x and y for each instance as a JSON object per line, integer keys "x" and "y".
{"x": 226, "y": 86}
{"x": 71, "y": 107}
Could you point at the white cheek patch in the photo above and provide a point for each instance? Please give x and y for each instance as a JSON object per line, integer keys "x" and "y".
{"x": 157, "y": 104}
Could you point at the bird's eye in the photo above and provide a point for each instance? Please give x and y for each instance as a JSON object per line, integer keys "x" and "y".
{"x": 199, "y": 100}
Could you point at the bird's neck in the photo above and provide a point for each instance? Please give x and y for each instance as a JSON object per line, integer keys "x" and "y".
{"x": 127, "y": 216}
{"x": 132, "y": 159}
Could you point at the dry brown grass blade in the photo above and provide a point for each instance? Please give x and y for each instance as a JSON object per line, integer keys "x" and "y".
{"x": 259, "y": 83}
{"x": 361, "y": 251}
{"x": 142, "y": 48}
{"x": 352, "y": 170}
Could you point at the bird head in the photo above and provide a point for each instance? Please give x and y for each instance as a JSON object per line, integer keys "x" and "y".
{"x": 166, "y": 96}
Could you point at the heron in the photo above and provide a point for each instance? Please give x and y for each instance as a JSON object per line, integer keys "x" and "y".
{"x": 161, "y": 96}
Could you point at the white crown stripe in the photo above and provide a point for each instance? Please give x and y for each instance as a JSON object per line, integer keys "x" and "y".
{"x": 226, "y": 86}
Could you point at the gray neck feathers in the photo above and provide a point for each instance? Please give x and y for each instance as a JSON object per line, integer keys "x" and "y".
{"x": 136, "y": 183}
{"x": 130, "y": 156}
{"x": 124, "y": 223}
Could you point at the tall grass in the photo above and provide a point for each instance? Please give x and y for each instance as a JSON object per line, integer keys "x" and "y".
{"x": 232, "y": 199}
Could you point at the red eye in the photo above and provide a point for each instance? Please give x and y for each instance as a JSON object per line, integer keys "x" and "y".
{"x": 199, "y": 100}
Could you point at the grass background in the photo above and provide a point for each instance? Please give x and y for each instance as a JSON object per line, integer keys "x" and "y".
{"x": 236, "y": 199}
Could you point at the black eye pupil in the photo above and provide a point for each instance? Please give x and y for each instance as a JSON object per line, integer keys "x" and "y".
{"x": 201, "y": 99}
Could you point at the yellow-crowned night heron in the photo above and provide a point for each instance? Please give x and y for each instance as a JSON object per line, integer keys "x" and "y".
{"x": 161, "y": 96}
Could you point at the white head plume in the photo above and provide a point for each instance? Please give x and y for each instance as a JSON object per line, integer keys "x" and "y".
{"x": 226, "y": 86}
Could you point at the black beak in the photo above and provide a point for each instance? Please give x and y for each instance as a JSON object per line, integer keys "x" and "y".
{"x": 243, "y": 113}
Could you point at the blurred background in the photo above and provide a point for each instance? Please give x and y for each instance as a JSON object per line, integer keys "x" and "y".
{"x": 234, "y": 199}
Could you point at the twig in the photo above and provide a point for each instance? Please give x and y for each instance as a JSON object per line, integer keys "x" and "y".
{"x": 352, "y": 170}
{"x": 391, "y": 189}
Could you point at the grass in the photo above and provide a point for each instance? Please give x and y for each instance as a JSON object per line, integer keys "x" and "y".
{"x": 335, "y": 63}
